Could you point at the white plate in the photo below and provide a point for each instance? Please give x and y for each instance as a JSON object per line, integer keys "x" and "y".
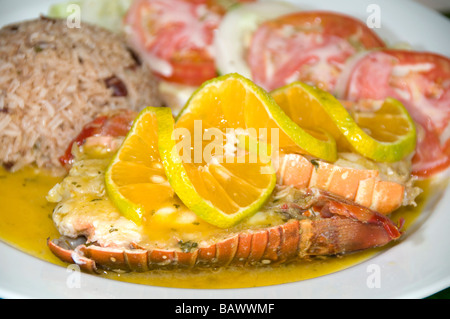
{"x": 415, "y": 268}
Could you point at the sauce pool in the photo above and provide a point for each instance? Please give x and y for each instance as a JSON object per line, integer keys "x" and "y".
{"x": 26, "y": 223}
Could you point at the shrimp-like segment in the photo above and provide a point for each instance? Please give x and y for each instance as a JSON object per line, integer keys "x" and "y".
{"x": 364, "y": 187}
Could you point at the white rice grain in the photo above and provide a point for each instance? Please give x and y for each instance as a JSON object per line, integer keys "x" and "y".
{"x": 52, "y": 82}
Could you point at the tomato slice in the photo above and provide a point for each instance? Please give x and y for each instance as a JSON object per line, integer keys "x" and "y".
{"x": 310, "y": 46}
{"x": 117, "y": 123}
{"x": 421, "y": 81}
{"x": 176, "y": 37}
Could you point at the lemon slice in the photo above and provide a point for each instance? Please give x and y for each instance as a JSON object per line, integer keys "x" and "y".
{"x": 384, "y": 134}
{"x": 222, "y": 191}
{"x": 135, "y": 179}
{"x": 233, "y": 101}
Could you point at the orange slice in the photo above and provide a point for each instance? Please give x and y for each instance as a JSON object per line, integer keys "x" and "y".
{"x": 211, "y": 171}
{"x": 135, "y": 179}
{"x": 384, "y": 134}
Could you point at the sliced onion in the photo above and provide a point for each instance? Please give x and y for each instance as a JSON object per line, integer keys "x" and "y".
{"x": 343, "y": 78}
{"x": 234, "y": 33}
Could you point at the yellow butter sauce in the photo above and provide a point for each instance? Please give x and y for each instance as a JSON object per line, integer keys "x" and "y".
{"x": 25, "y": 223}
{"x": 25, "y": 214}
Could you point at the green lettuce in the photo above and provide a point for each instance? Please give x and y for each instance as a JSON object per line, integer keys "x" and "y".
{"x": 105, "y": 13}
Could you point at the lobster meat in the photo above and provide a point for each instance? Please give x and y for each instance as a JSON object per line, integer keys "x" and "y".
{"x": 363, "y": 186}
{"x": 313, "y": 218}
{"x": 319, "y": 224}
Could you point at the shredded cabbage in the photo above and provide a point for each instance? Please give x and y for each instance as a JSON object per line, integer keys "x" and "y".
{"x": 105, "y": 13}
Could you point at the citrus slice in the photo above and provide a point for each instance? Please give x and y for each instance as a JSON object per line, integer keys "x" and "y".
{"x": 207, "y": 165}
{"x": 221, "y": 191}
{"x": 233, "y": 101}
{"x": 135, "y": 179}
{"x": 383, "y": 133}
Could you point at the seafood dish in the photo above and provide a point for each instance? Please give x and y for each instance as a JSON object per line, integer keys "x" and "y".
{"x": 202, "y": 136}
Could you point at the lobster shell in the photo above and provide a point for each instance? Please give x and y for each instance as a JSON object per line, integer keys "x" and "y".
{"x": 273, "y": 245}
